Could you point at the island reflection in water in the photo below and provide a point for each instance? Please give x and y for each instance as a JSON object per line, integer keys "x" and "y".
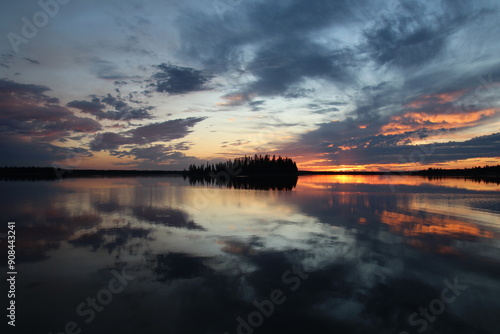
{"x": 349, "y": 254}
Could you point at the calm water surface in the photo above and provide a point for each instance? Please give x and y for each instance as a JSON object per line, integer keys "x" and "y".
{"x": 336, "y": 254}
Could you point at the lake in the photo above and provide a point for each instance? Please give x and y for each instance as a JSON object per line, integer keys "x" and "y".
{"x": 331, "y": 254}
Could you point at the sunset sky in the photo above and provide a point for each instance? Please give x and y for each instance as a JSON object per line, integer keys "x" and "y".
{"x": 335, "y": 85}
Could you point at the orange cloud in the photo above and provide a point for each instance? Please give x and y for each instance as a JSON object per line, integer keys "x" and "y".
{"x": 412, "y": 121}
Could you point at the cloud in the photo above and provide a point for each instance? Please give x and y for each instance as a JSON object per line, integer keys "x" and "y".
{"x": 165, "y": 131}
{"x": 404, "y": 70}
{"x": 382, "y": 129}
{"x": 155, "y": 153}
{"x": 406, "y": 40}
{"x": 30, "y": 120}
{"x": 26, "y": 111}
{"x": 324, "y": 108}
{"x": 218, "y": 43}
{"x": 109, "y": 141}
{"x": 179, "y": 80}
{"x": 33, "y": 61}
{"x": 123, "y": 111}
{"x": 416, "y": 33}
{"x": 182, "y": 146}
{"x": 279, "y": 35}
{"x": 280, "y": 66}
{"x": 154, "y": 132}
{"x": 384, "y": 149}
{"x": 93, "y": 107}
{"x": 153, "y": 156}
{"x": 275, "y": 49}
{"x": 8, "y": 87}
{"x": 105, "y": 69}
{"x": 414, "y": 121}
{"x": 256, "y": 105}
{"x": 16, "y": 151}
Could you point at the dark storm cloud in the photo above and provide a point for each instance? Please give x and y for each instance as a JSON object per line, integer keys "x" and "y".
{"x": 216, "y": 42}
{"x": 285, "y": 51}
{"x": 286, "y": 54}
{"x": 164, "y": 131}
{"x": 280, "y": 66}
{"x": 293, "y": 60}
{"x": 123, "y": 111}
{"x": 179, "y": 80}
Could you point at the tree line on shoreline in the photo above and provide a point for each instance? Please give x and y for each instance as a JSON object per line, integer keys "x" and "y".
{"x": 248, "y": 166}
{"x": 474, "y": 171}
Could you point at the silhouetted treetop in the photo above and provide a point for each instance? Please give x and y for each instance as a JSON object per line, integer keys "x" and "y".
{"x": 256, "y": 165}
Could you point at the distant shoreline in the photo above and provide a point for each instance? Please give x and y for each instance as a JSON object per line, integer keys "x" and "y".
{"x": 50, "y": 173}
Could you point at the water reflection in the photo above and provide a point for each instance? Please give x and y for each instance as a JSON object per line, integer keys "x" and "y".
{"x": 375, "y": 248}
{"x": 255, "y": 182}
{"x": 400, "y": 183}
